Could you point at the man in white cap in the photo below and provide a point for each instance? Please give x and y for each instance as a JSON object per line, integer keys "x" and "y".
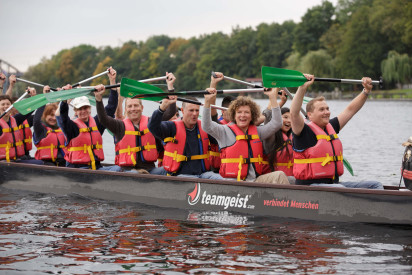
{"x": 84, "y": 133}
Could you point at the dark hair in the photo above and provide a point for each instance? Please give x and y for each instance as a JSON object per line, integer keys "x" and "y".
{"x": 3, "y": 97}
{"x": 227, "y": 100}
{"x": 278, "y": 142}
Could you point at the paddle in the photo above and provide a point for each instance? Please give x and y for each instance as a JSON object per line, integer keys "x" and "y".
{"x": 90, "y": 78}
{"x": 200, "y": 103}
{"x": 11, "y": 106}
{"x": 306, "y": 99}
{"x": 35, "y": 102}
{"x": 348, "y": 166}
{"x": 34, "y": 83}
{"x": 30, "y": 104}
{"x": 135, "y": 89}
{"x": 278, "y": 77}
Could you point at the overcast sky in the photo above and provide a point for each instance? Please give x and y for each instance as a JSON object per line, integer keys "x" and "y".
{"x": 33, "y": 29}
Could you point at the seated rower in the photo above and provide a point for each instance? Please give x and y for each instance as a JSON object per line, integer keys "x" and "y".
{"x": 242, "y": 142}
{"x": 48, "y": 137}
{"x": 28, "y": 123}
{"x": 11, "y": 134}
{"x": 84, "y": 133}
{"x": 318, "y": 158}
{"x": 187, "y": 145}
{"x": 281, "y": 155}
{"x": 136, "y": 148}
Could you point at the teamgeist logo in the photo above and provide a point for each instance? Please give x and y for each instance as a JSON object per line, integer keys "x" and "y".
{"x": 225, "y": 201}
{"x": 194, "y": 196}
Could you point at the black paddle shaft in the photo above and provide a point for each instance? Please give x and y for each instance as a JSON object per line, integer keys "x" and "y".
{"x": 349, "y": 81}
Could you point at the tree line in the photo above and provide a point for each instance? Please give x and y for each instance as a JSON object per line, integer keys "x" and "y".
{"x": 353, "y": 39}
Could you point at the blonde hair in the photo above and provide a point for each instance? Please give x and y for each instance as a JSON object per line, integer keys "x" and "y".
{"x": 244, "y": 101}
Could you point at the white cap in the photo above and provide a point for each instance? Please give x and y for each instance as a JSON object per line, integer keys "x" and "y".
{"x": 79, "y": 102}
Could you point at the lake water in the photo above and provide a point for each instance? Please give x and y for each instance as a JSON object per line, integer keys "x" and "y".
{"x": 48, "y": 234}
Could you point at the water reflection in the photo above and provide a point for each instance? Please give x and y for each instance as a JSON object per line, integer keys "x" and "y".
{"x": 40, "y": 233}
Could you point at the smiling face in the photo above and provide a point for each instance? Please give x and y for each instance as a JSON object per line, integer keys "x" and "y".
{"x": 286, "y": 122}
{"x": 243, "y": 117}
{"x": 190, "y": 115}
{"x": 134, "y": 109}
{"x": 83, "y": 113}
{"x": 51, "y": 119}
{"x": 320, "y": 114}
{"x": 4, "y": 105}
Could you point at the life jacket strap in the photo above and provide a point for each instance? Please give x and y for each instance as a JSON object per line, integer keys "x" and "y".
{"x": 247, "y": 137}
{"x": 323, "y": 160}
{"x": 327, "y": 137}
{"x": 179, "y": 158}
{"x": 88, "y": 149}
{"x": 241, "y": 160}
{"x": 288, "y": 164}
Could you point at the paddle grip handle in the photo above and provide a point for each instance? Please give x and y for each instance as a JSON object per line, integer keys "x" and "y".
{"x": 112, "y": 86}
{"x": 348, "y": 81}
{"x": 109, "y": 87}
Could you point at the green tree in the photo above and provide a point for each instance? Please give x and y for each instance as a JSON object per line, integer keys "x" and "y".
{"x": 315, "y": 23}
{"x": 274, "y": 44}
{"x": 361, "y": 51}
{"x": 397, "y": 68}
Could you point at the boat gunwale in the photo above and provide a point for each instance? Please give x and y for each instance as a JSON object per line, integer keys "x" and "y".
{"x": 394, "y": 192}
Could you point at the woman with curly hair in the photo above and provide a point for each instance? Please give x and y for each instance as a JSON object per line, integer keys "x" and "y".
{"x": 241, "y": 142}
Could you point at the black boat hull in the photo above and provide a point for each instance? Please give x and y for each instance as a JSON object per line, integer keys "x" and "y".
{"x": 302, "y": 202}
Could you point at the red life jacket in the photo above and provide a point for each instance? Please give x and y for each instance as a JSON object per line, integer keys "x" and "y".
{"x": 11, "y": 140}
{"x": 284, "y": 156}
{"x": 48, "y": 147}
{"x": 27, "y": 136}
{"x": 175, "y": 147}
{"x": 223, "y": 121}
{"x": 136, "y": 142}
{"x": 88, "y": 144}
{"x": 214, "y": 155}
{"x": 319, "y": 161}
{"x": 236, "y": 158}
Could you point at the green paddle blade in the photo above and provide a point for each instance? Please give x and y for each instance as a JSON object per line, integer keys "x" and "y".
{"x": 67, "y": 94}
{"x": 306, "y": 99}
{"x": 92, "y": 99}
{"x": 277, "y": 77}
{"x": 132, "y": 88}
{"x": 30, "y": 104}
{"x": 348, "y": 166}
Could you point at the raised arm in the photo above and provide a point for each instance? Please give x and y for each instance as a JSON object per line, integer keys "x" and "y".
{"x": 275, "y": 123}
{"x": 2, "y": 80}
{"x": 213, "y": 128}
{"x": 162, "y": 129}
{"x": 12, "y": 82}
{"x": 297, "y": 120}
{"x": 114, "y": 125}
{"x": 213, "y": 85}
{"x": 171, "y": 109}
{"x": 357, "y": 103}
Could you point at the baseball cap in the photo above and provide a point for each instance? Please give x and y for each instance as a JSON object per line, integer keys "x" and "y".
{"x": 79, "y": 102}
